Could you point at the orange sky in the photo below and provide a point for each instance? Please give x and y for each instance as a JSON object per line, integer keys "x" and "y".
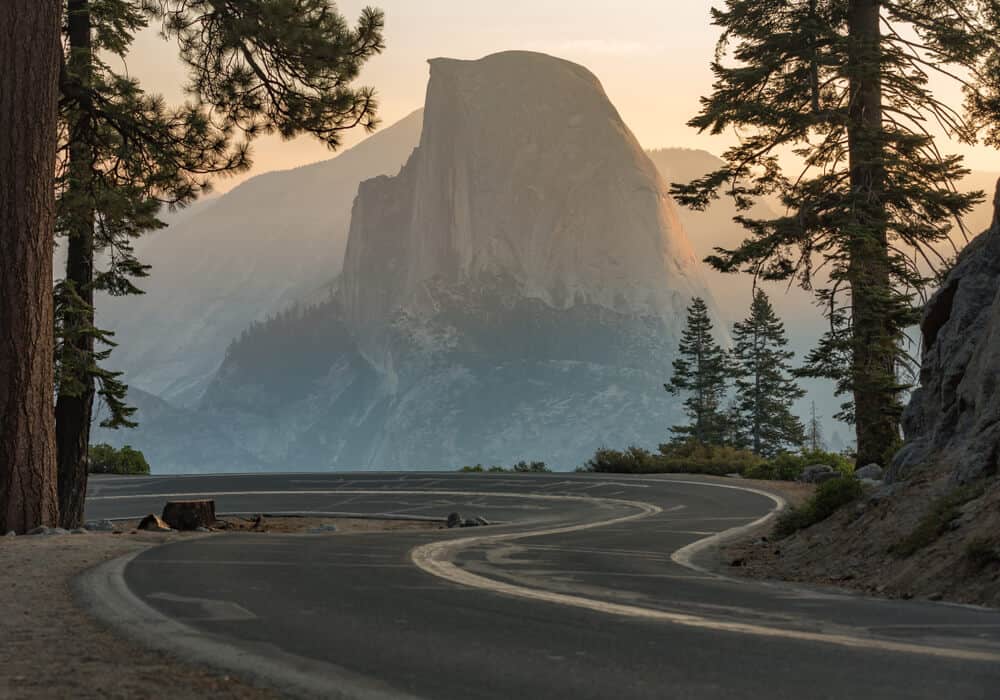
{"x": 651, "y": 55}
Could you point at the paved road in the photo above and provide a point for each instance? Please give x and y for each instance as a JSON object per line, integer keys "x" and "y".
{"x": 575, "y": 594}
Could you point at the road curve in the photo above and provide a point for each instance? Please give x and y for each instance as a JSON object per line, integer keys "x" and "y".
{"x": 583, "y": 589}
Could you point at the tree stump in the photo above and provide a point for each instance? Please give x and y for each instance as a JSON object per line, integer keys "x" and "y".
{"x": 189, "y": 515}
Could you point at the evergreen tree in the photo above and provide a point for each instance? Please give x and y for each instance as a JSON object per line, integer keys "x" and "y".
{"x": 844, "y": 86}
{"x": 814, "y": 431}
{"x": 700, "y": 371}
{"x": 255, "y": 67}
{"x": 765, "y": 390}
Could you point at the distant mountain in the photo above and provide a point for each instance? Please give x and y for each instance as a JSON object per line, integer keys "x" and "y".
{"x": 278, "y": 238}
{"x": 516, "y": 291}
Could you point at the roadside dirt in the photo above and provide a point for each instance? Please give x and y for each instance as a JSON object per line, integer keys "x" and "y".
{"x": 52, "y": 649}
{"x": 305, "y": 525}
{"x": 954, "y": 536}
{"x": 49, "y": 648}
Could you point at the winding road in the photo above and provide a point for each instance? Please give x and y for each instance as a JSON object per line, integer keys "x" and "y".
{"x": 586, "y": 586}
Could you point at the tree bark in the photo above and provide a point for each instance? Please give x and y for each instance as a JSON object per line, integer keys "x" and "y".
{"x": 29, "y": 75}
{"x": 874, "y": 337}
{"x": 74, "y": 405}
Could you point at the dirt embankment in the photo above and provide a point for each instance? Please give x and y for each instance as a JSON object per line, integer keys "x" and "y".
{"x": 923, "y": 538}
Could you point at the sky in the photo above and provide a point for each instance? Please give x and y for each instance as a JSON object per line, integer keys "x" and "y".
{"x": 652, "y": 57}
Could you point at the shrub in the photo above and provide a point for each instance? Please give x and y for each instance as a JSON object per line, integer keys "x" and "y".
{"x": 675, "y": 458}
{"x": 691, "y": 457}
{"x": 828, "y": 499}
{"x": 788, "y": 467}
{"x": 936, "y": 521}
{"x": 634, "y": 460}
{"x": 520, "y": 468}
{"x": 105, "y": 459}
{"x": 531, "y": 468}
{"x": 981, "y": 552}
{"x": 696, "y": 458}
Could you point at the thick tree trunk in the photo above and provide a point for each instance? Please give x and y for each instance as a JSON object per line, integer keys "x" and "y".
{"x": 74, "y": 405}
{"x": 29, "y": 74}
{"x": 873, "y": 369}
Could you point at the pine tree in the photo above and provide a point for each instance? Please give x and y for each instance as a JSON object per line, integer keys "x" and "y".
{"x": 255, "y": 67}
{"x": 29, "y": 73}
{"x": 765, "y": 390}
{"x": 814, "y": 431}
{"x": 700, "y": 371}
{"x": 843, "y": 85}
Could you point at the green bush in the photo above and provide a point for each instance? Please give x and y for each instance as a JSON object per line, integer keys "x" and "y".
{"x": 830, "y": 496}
{"x": 695, "y": 458}
{"x": 788, "y": 467}
{"x": 105, "y": 459}
{"x": 519, "y": 468}
{"x": 981, "y": 552}
{"x": 936, "y": 521}
{"x": 531, "y": 468}
{"x": 679, "y": 458}
{"x": 634, "y": 460}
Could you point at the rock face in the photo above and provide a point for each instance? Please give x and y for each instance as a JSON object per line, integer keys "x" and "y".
{"x": 953, "y": 419}
{"x": 516, "y": 292}
{"x": 525, "y": 179}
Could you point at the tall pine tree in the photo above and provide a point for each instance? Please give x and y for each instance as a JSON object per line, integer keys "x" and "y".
{"x": 700, "y": 371}
{"x": 844, "y": 86}
{"x": 255, "y": 67}
{"x": 765, "y": 389}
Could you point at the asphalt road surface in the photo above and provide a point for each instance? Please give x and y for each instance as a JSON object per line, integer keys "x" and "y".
{"x": 587, "y": 586}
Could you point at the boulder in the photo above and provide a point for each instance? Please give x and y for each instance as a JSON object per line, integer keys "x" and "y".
{"x": 11, "y": 533}
{"x": 871, "y": 472}
{"x": 189, "y": 515}
{"x": 153, "y": 523}
{"x": 99, "y": 526}
{"x": 810, "y": 474}
{"x": 455, "y": 520}
{"x": 823, "y": 477}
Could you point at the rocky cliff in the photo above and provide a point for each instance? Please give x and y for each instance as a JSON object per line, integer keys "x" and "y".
{"x": 953, "y": 419}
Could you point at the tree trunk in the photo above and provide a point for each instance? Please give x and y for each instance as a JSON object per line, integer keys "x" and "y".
{"x": 29, "y": 69}
{"x": 74, "y": 405}
{"x": 874, "y": 337}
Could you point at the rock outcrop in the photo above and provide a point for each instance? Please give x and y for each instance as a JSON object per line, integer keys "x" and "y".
{"x": 953, "y": 419}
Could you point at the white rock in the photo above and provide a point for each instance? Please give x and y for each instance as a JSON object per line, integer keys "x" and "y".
{"x": 99, "y": 525}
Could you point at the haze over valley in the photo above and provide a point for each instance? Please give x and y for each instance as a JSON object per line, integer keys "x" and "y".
{"x": 515, "y": 279}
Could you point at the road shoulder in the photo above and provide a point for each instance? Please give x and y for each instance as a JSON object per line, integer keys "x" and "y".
{"x": 53, "y": 648}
